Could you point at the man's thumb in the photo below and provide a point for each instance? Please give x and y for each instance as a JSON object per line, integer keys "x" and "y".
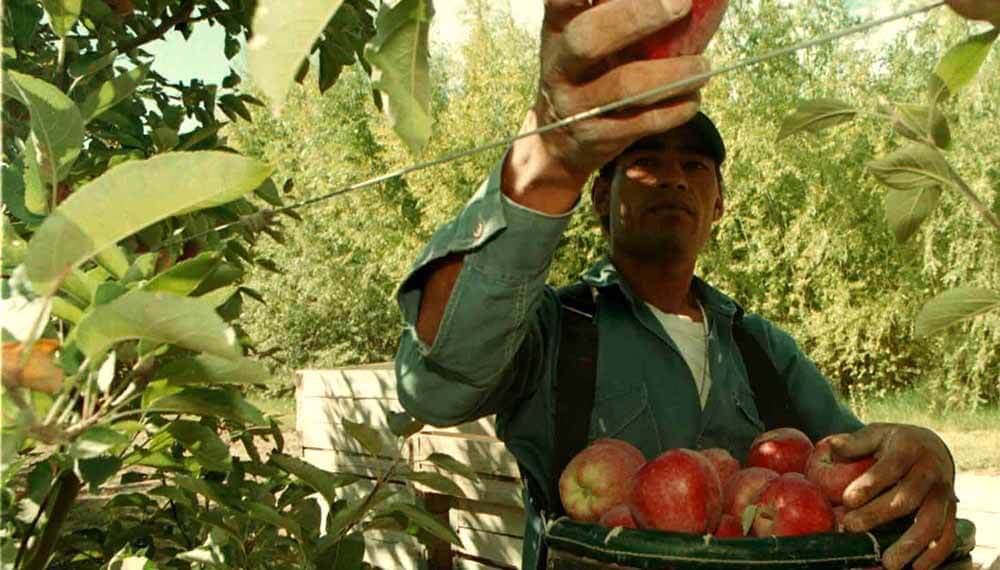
{"x": 861, "y": 443}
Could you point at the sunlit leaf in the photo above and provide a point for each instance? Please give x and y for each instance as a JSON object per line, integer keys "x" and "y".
{"x": 916, "y": 166}
{"x": 961, "y": 64}
{"x": 353, "y": 512}
{"x": 204, "y": 444}
{"x": 816, "y": 115}
{"x": 399, "y": 57}
{"x": 365, "y": 435}
{"x": 208, "y": 369}
{"x": 111, "y": 92}
{"x": 435, "y": 481}
{"x": 63, "y": 14}
{"x": 211, "y": 402}
{"x": 449, "y": 463}
{"x": 323, "y": 481}
{"x": 94, "y": 441}
{"x": 954, "y": 306}
{"x": 158, "y": 317}
{"x": 905, "y": 210}
{"x": 424, "y": 520}
{"x": 283, "y": 35}
{"x": 922, "y": 123}
{"x": 183, "y": 278}
{"x": 55, "y": 121}
{"x": 141, "y": 192}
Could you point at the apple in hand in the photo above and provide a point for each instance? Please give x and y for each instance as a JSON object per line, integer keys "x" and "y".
{"x": 832, "y": 474}
{"x": 783, "y": 450}
{"x": 677, "y": 491}
{"x": 598, "y": 478}
{"x": 792, "y": 506}
{"x": 688, "y": 36}
{"x": 729, "y": 527}
{"x": 743, "y": 487}
{"x": 725, "y": 464}
{"x": 619, "y": 515}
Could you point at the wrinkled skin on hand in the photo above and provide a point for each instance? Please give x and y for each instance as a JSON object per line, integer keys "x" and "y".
{"x": 579, "y": 44}
{"x": 913, "y": 472}
{"x": 988, "y": 10}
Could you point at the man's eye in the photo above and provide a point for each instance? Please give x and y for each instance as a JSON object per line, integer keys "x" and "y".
{"x": 644, "y": 161}
{"x": 695, "y": 165}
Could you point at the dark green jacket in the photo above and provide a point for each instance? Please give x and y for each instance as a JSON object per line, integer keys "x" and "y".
{"x": 496, "y": 348}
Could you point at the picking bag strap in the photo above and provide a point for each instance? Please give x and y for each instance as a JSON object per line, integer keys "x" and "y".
{"x": 770, "y": 394}
{"x": 576, "y": 380}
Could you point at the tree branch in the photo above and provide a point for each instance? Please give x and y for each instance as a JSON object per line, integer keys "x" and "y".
{"x": 69, "y": 488}
{"x": 182, "y": 16}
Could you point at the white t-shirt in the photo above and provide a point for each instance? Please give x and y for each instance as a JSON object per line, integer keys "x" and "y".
{"x": 689, "y": 337}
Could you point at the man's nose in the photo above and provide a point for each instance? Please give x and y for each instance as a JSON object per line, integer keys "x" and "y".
{"x": 670, "y": 176}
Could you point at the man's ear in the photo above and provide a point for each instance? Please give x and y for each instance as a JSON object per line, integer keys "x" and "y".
{"x": 720, "y": 208}
{"x": 600, "y": 195}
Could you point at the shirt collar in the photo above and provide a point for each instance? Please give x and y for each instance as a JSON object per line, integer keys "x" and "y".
{"x": 603, "y": 274}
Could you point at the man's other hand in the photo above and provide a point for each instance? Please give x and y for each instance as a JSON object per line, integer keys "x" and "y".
{"x": 913, "y": 472}
{"x": 988, "y": 10}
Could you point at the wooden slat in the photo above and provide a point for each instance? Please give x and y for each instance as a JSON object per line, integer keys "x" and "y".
{"x": 346, "y": 383}
{"x": 496, "y": 519}
{"x": 327, "y": 436}
{"x": 313, "y": 410}
{"x": 492, "y": 547}
{"x": 483, "y": 455}
{"x": 401, "y": 555}
{"x": 462, "y": 562}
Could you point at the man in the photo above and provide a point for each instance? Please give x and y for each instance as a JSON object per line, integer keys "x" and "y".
{"x": 482, "y": 335}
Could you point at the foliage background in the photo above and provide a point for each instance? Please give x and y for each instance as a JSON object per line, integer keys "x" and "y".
{"x": 804, "y": 241}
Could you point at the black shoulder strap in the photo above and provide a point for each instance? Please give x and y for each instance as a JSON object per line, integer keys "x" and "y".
{"x": 576, "y": 379}
{"x": 770, "y": 394}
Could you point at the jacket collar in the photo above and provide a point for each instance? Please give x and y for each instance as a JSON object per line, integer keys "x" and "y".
{"x": 603, "y": 274}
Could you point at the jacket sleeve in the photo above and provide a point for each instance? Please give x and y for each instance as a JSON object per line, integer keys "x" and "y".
{"x": 813, "y": 398}
{"x": 489, "y": 351}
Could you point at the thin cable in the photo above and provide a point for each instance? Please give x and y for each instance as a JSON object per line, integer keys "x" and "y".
{"x": 676, "y": 85}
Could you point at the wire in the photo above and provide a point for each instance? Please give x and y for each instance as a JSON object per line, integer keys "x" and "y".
{"x": 627, "y": 101}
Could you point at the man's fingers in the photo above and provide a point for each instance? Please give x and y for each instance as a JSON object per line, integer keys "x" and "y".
{"x": 939, "y": 549}
{"x": 861, "y": 443}
{"x": 634, "y": 78}
{"x": 558, "y": 13}
{"x": 637, "y": 123}
{"x": 901, "y": 500}
{"x": 885, "y": 472}
{"x": 932, "y": 519}
{"x": 611, "y": 26}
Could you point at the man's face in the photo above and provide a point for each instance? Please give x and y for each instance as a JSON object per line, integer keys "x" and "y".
{"x": 663, "y": 198}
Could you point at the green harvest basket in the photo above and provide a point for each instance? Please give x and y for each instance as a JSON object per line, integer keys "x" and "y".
{"x": 583, "y": 546}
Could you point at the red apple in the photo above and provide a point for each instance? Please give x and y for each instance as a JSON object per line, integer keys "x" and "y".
{"x": 677, "y": 491}
{"x": 792, "y": 506}
{"x": 598, "y": 478}
{"x": 690, "y": 35}
{"x": 725, "y": 464}
{"x": 783, "y": 450}
{"x": 619, "y": 515}
{"x": 743, "y": 487}
{"x": 729, "y": 527}
{"x": 830, "y": 473}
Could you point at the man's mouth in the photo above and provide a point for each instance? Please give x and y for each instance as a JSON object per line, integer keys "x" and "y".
{"x": 671, "y": 206}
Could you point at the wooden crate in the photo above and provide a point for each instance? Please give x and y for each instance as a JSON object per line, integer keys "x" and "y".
{"x": 487, "y": 514}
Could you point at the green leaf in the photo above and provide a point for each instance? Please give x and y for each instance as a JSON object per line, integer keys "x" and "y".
{"x": 424, "y": 520}
{"x": 144, "y": 192}
{"x": 37, "y": 485}
{"x": 55, "y": 121}
{"x": 449, "y": 463}
{"x": 435, "y": 481}
{"x": 158, "y": 317}
{"x": 208, "y": 369}
{"x": 347, "y": 554}
{"x": 816, "y": 115}
{"x": 353, "y": 512}
{"x": 961, "y": 64}
{"x": 905, "y": 210}
{"x": 13, "y": 196}
{"x": 203, "y": 443}
{"x": 922, "y": 123}
{"x": 264, "y": 513}
{"x": 399, "y": 56}
{"x": 915, "y": 166}
{"x": 97, "y": 470}
{"x": 283, "y": 35}
{"x": 320, "y": 480}
{"x": 212, "y": 490}
{"x": 365, "y": 435}
{"x": 95, "y": 441}
{"x": 403, "y": 424}
{"x": 747, "y": 517}
{"x": 268, "y": 192}
{"x": 954, "y": 306}
{"x": 90, "y": 63}
{"x": 183, "y": 279}
{"x": 63, "y": 14}
{"x": 36, "y": 190}
{"x": 112, "y": 92}
{"x": 211, "y": 402}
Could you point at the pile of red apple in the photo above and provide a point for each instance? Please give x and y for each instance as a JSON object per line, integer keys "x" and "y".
{"x": 789, "y": 487}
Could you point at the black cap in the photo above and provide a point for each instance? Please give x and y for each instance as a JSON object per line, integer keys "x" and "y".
{"x": 710, "y": 135}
